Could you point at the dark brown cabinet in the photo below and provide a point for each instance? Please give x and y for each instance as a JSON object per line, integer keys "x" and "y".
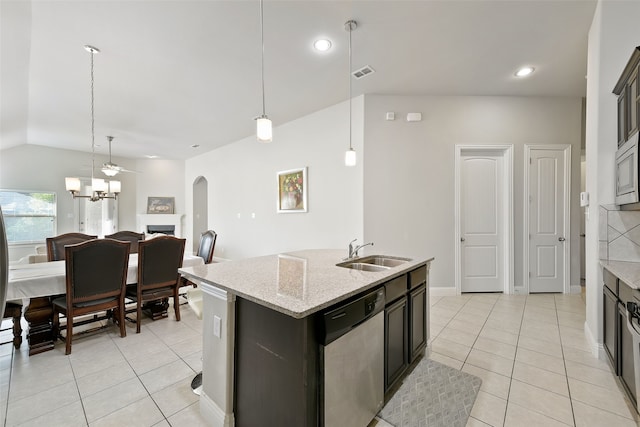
{"x": 395, "y": 340}
{"x": 406, "y": 330}
{"x": 628, "y": 91}
{"x": 618, "y": 339}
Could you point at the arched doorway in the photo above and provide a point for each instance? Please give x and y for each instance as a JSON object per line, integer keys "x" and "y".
{"x": 200, "y": 211}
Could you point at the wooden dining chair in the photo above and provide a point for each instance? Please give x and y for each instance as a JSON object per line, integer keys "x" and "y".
{"x": 96, "y": 276}
{"x": 158, "y": 262}
{"x": 55, "y": 245}
{"x": 128, "y": 236}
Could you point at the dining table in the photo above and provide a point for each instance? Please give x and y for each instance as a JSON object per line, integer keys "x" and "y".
{"x": 39, "y": 282}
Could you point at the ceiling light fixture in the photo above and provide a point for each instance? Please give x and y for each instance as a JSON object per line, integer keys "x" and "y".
{"x": 350, "y": 154}
{"x": 100, "y": 188}
{"x": 524, "y": 71}
{"x": 264, "y": 131}
{"x": 322, "y": 45}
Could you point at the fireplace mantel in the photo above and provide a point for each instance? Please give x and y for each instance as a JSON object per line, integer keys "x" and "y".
{"x": 160, "y": 219}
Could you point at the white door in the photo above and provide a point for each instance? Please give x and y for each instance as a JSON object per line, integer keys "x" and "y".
{"x": 547, "y": 218}
{"x": 481, "y": 221}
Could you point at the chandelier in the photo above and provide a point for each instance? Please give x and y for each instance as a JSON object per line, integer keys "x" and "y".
{"x": 100, "y": 188}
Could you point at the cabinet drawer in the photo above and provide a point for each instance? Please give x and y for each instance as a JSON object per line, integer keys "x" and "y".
{"x": 417, "y": 277}
{"x": 395, "y": 288}
{"x": 610, "y": 280}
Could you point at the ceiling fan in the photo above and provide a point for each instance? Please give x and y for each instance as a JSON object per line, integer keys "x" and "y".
{"x": 110, "y": 168}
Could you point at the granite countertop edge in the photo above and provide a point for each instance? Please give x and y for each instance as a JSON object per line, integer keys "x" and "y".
{"x": 627, "y": 271}
{"x": 369, "y": 281}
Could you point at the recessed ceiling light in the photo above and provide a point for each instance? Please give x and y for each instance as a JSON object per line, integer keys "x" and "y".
{"x": 151, "y": 156}
{"x": 524, "y": 71}
{"x": 322, "y": 45}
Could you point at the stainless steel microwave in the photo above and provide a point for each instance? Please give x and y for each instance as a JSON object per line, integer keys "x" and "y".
{"x": 627, "y": 173}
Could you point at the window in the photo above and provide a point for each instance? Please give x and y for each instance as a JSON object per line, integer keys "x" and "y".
{"x": 29, "y": 216}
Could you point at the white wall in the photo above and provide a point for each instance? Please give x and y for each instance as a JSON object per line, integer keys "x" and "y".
{"x": 613, "y": 35}
{"x": 242, "y": 181}
{"x": 409, "y": 167}
{"x": 34, "y": 167}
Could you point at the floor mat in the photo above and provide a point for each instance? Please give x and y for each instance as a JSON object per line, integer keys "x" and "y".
{"x": 432, "y": 395}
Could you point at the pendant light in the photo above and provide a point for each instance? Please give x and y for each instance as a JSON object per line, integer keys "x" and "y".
{"x": 264, "y": 131}
{"x": 350, "y": 154}
{"x": 101, "y": 189}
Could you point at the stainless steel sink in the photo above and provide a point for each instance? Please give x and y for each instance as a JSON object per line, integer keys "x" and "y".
{"x": 362, "y": 266}
{"x": 374, "y": 263}
{"x": 385, "y": 261}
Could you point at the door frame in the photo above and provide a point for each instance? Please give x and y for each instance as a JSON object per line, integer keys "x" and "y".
{"x": 566, "y": 252}
{"x": 507, "y": 227}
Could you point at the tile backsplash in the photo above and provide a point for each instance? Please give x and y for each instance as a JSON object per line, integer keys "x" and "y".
{"x": 619, "y": 238}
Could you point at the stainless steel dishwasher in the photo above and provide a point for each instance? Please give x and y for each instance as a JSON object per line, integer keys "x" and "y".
{"x": 353, "y": 361}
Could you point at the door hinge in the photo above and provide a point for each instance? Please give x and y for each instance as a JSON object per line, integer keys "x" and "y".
{"x": 530, "y": 160}
{"x": 529, "y": 274}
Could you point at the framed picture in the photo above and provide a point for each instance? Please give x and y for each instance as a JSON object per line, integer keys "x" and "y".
{"x": 161, "y": 205}
{"x": 292, "y": 190}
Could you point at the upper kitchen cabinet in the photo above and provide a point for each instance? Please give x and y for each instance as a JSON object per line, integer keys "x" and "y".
{"x": 628, "y": 91}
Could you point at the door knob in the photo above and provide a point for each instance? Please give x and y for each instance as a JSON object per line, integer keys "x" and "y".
{"x": 561, "y": 239}
{"x": 462, "y": 239}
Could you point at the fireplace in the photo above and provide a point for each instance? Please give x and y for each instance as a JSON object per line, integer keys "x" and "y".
{"x": 164, "y": 229}
{"x": 160, "y": 223}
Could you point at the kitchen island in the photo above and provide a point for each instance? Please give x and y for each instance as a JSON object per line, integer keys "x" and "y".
{"x": 262, "y": 352}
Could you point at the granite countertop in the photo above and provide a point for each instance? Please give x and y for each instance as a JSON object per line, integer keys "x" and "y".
{"x": 628, "y": 272}
{"x": 295, "y": 283}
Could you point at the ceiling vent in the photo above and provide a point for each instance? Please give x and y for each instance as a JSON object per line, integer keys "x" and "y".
{"x": 362, "y": 72}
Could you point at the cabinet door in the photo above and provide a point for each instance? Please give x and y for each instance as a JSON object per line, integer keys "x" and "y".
{"x": 622, "y": 116}
{"x": 417, "y": 322}
{"x": 395, "y": 342}
{"x": 609, "y": 318}
{"x": 627, "y": 370}
{"x": 632, "y": 115}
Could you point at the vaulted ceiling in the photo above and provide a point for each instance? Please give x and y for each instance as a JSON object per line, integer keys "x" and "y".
{"x": 172, "y": 74}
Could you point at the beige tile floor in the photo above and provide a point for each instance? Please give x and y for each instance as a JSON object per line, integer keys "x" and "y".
{"x": 533, "y": 358}
{"x": 530, "y": 352}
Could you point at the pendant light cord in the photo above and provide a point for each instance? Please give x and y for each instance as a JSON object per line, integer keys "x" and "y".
{"x": 262, "y": 60}
{"x": 350, "y": 30}
{"x": 93, "y": 146}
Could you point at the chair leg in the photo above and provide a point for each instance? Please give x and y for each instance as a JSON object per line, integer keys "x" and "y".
{"x": 139, "y": 315}
{"x": 120, "y": 312}
{"x": 17, "y": 332}
{"x": 69, "y": 336}
{"x": 176, "y": 305}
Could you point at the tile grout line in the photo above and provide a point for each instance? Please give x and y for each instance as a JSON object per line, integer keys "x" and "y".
{"x": 564, "y": 363}
{"x": 506, "y": 409}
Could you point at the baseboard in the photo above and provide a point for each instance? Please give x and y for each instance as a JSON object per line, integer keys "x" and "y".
{"x": 597, "y": 349}
{"x": 213, "y": 414}
{"x": 575, "y": 289}
{"x": 436, "y": 291}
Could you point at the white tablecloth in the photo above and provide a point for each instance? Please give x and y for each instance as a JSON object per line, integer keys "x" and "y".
{"x": 48, "y": 278}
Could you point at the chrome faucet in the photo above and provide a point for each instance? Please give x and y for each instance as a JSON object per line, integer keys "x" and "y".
{"x": 353, "y": 251}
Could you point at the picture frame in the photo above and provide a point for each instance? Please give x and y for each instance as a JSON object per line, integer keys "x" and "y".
{"x": 292, "y": 190}
{"x": 161, "y": 205}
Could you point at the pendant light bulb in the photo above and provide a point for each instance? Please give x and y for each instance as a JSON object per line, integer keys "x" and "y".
{"x": 264, "y": 131}
{"x": 350, "y": 157}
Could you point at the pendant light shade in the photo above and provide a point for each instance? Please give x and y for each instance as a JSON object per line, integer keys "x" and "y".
{"x": 350, "y": 154}
{"x": 264, "y": 130}
{"x": 350, "y": 157}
